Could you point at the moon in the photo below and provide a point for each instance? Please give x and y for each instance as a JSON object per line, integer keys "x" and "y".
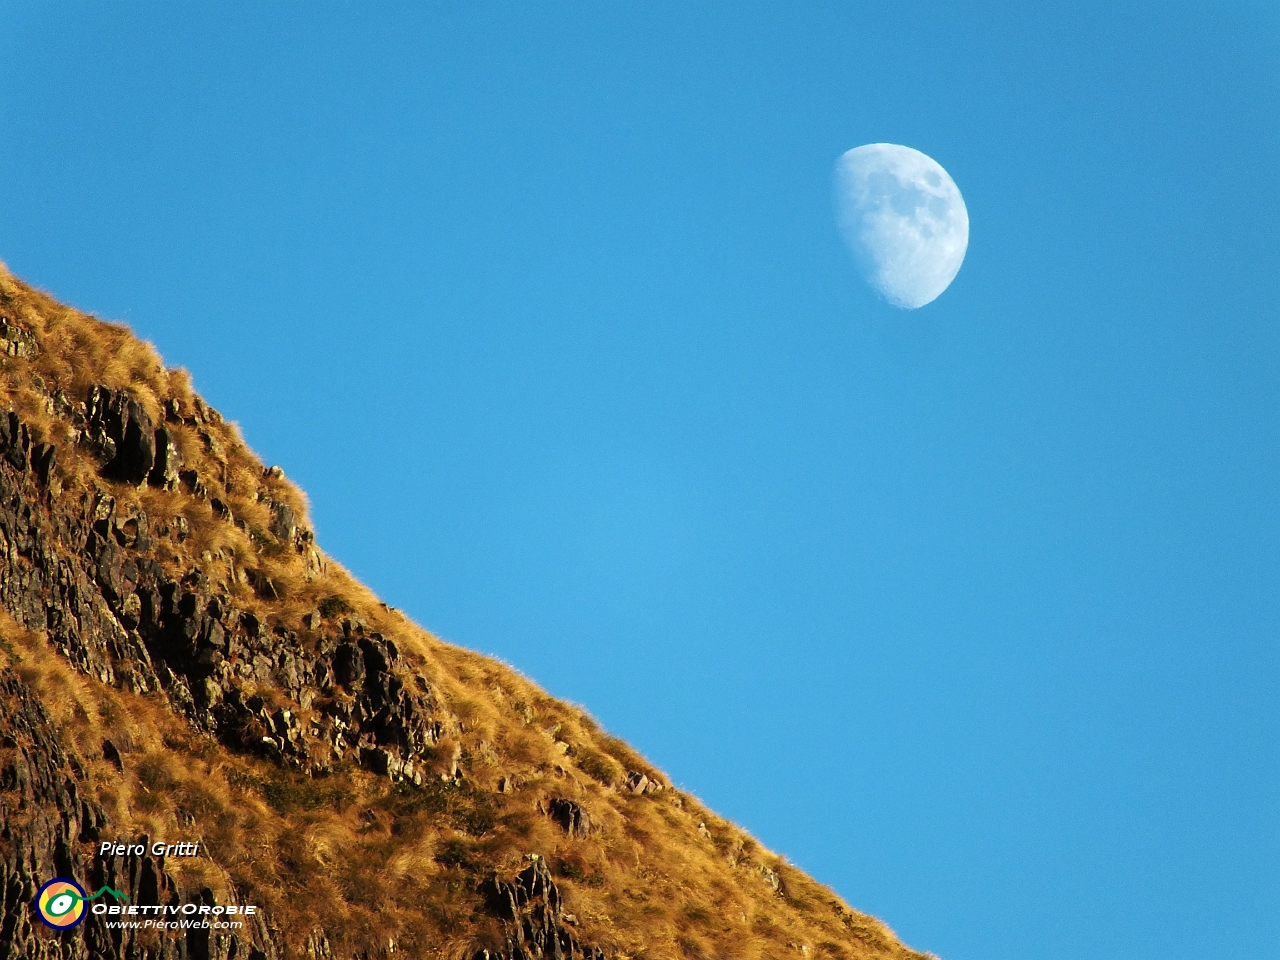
{"x": 904, "y": 221}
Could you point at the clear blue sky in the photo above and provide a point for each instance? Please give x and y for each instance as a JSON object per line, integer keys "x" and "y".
{"x": 971, "y": 611}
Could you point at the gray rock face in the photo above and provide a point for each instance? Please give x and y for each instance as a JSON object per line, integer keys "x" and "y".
{"x": 640, "y": 784}
{"x": 533, "y": 919}
{"x": 14, "y": 441}
{"x": 282, "y": 522}
{"x": 572, "y": 816}
{"x": 16, "y": 340}
{"x": 43, "y": 458}
{"x": 124, "y": 433}
{"x": 164, "y": 472}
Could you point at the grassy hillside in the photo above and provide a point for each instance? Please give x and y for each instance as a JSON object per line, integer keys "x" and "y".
{"x": 332, "y": 841}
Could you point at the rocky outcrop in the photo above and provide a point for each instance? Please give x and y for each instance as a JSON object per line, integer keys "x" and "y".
{"x": 534, "y": 923}
{"x": 16, "y": 341}
{"x": 84, "y": 572}
{"x": 124, "y": 435}
{"x": 571, "y": 815}
{"x": 164, "y": 472}
{"x": 640, "y": 784}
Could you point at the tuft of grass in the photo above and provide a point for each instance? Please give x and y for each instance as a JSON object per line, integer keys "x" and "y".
{"x": 598, "y": 765}
{"x": 454, "y": 853}
{"x": 11, "y": 654}
{"x": 333, "y": 606}
{"x": 288, "y": 793}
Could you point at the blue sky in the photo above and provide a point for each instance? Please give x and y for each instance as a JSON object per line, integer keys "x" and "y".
{"x": 970, "y": 611}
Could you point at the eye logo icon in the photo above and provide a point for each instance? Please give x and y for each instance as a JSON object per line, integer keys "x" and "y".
{"x": 60, "y": 902}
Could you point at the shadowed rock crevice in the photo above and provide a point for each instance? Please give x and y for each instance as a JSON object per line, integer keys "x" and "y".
{"x": 534, "y": 923}
{"x": 124, "y": 434}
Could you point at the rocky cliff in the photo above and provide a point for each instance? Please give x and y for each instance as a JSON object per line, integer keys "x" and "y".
{"x": 184, "y": 670}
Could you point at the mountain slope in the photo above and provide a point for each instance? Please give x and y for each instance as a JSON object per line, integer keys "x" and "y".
{"x": 182, "y": 664}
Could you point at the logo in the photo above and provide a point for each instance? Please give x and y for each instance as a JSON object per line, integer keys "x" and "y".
{"x": 60, "y": 902}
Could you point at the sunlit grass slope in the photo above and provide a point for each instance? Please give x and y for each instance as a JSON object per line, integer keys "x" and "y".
{"x": 378, "y": 865}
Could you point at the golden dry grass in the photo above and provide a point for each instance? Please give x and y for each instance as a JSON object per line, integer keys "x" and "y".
{"x": 662, "y": 877}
